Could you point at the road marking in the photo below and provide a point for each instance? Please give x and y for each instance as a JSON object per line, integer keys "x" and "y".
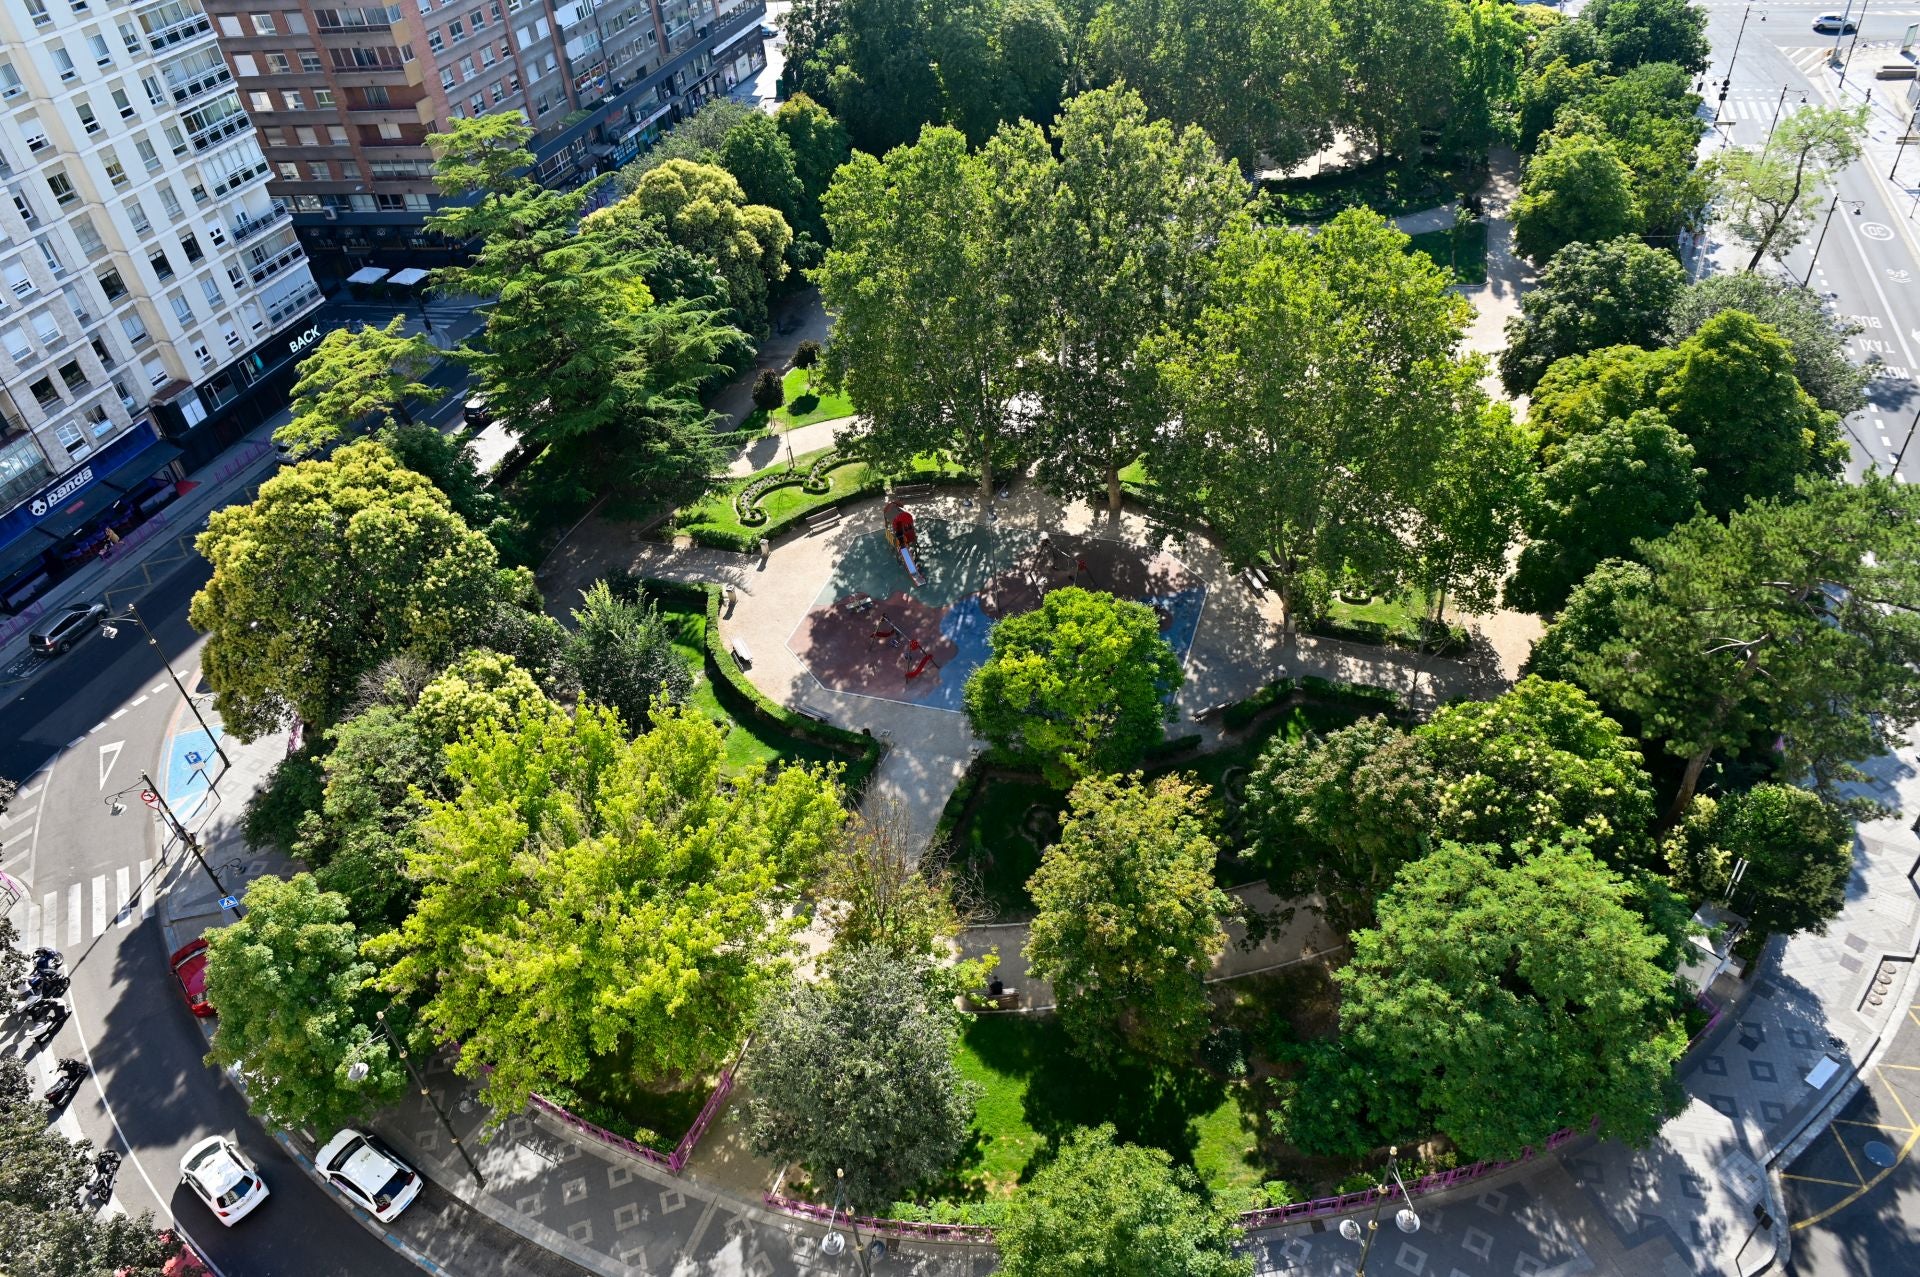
{"x": 156, "y": 689}
{"x": 75, "y": 741}
{"x": 96, "y": 727}
{"x": 146, "y": 888}
{"x": 123, "y": 892}
{"x": 73, "y": 915}
{"x": 142, "y": 700}
{"x": 11, "y": 817}
{"x": 99, "y": 904}
{"x": 117, "y": 713}
{"x": 109, "y": 755}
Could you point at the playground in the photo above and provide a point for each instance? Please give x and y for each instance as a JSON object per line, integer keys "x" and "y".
{"x": 906, "y": 611}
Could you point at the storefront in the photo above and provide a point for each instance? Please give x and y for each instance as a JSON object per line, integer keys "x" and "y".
{"x": 85, "y": 513}
{"x": 207, "y": 419}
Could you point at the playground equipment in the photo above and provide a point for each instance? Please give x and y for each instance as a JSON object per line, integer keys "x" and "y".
{"x": 914, "y": 657}
{"x": 902, "y": 537}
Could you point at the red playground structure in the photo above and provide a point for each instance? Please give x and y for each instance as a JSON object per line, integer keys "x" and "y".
{"x": 902, "y": 537}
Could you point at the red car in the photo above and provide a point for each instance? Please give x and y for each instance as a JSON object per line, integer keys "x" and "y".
{"x": 190, "y": 969}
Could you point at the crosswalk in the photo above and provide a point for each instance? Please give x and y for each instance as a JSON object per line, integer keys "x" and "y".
{"x": 85, "y": 911}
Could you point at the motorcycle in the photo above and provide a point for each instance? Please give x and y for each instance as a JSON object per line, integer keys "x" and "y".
{"x": 66, "y": 1084}
{"x": 49, "y": 991}
{"x": 99, "y": 1186}
{"x": 45, "y": 959}
{"x": 51, "y": 983}
{"x": 45, "y": 1021}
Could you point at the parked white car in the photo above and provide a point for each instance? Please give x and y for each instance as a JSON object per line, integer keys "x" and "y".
{"x": 369, "y": 1173}
{"x": 221, "y": 1176}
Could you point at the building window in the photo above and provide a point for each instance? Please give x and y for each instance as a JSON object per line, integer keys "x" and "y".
{"x": 294, "y": 100}
{"x": 111, "y": 162}
{"x": 44, "y": 394}
{"x": 17, "y": 345}
{"x": 88, "y": 235}
{"x": 289, "y": 171}
{"x": 277, "y": 64}
{"x": 139, "y": 217}
{"x": 102, "y": 56}
{"x": 47, "y": 328}
{"x": 434, "y": 41}
{"x": 63, "y": 62}
{"x": 323, "y": 99}
{"x": 261, "y": 101}
{"x": 71, "y": 374}
{"x": 477, "y": 103}
{"x": 72, "y": 440}
{"x": 455, "y": 30}
{"x": 62, "y": 187}
{"x": 84, "y": 110}
{"x": 123, "y": 104}
{"x": 182, "y": 311}
{"x": 148, "y": 155}
{"x": 263, "y": 24}
{"x": 112, "y": 285}
{"x": 211, "y": 291}
{"x": 349, "y": 170}
{"x": 310, "y": 63}
{"x": 322, "y": 171}
{"x": 161, "y": 266}
{"x": 168, "y": 200}
{"x": 191, "y": 247}
{"x": 99, "y": 421}
{"x": 307, "y": 137}
{"x": 19, "y": 283}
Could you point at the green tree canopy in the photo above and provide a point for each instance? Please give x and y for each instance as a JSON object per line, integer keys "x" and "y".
{"x": 1577, "y": 189}
{"x": 1817, "y": 336}
{"x": 353, "y": 378}
{"x": 1798, "y": 852}
{"x": 883, "y": 890}
{"x": 1539, "y": 761}
{"x": 296, "y": 1008}
{"x": 1637, "y": 31}
{"x": 1588, "y": 621}
{"x": 1395, "y": 56}
{"x": 1798, "y": 620}
{"x": 1599, "y": 494}
{"x": 1319, "y": 399}
{"x": 1081, "y": 685}
{"x": 1102, "y": 1209}
{"x": 930, "y": 326}
{"x": 1770, "y": 196}
{"x": 587, "y": 897}
{"x": 819, "y": 146}
{"x": 758, "y": 156}
{"x": 854, "y": 1078}
{"x": 621, "y": 654}
{"x": 1504, "y": 1001}
{"x": 1337, "y": 815}
{"x": 1127, "y": 920}
{"x": 484, "y": 155}
{"x": 1619, "y": 292}
{"x": 1116, "y": 250}
{"x": 336, "y": 565}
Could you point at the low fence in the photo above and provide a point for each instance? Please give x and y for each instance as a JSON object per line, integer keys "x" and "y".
{"x": 911, "y": 1230}
{"x": 674, "y": 1162}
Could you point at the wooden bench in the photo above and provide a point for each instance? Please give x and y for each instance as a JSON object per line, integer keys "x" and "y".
{"x": 913, "y": 490}
{"x": 1211, "y": 711}
{"x": 825, "y": 519}
{"x": 1256, "y": 578}
{"x": 741, "y": 652}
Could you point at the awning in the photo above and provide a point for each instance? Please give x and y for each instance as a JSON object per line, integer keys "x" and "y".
{"x": 103, "y": 492}
{"x": 367, "y": 275}
{"x": 27, "y": 550}
{"x": 655, "y": 118}
{"x": 735, "y": 38}
{"x": 409, "y": 277}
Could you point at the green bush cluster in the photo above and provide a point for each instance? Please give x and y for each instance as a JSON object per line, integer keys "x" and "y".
{"x": 1286, "y": 691}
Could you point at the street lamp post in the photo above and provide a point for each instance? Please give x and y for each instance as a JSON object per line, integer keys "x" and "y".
{"x": 1775, "y": 122}
{"x": 1405, "y": 1219}
{"x": 1726, "y": 81}
{"x": 109, "y": 630}
{"x": 115, "y": 806}
{"x": 1848, "y": 64}
{"x": 1900, "y": 143}
{"x": 358, "y": 1069}
{"x": 833, "y": 1244}
{"x": 1853, "y": 206}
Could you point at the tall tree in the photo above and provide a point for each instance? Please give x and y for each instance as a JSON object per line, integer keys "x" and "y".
{"x": 1262, "y": 77}
{"x": 353, "y": 378}
{"x": 1600, "y": 493}
{"x": 1116, "y": 248}
{"x": 621, "y": 653}
{"x": 1799, "y": 619}
{"x": 881, "y": 889}
{"x": 854, "y": 1078}
{"x": 1486, "y": 43}
{"x": 1530, "y": 765}
{"x": 1576, "y": 189}
{"x": 335, "y": 566}
{"x": 929, "y": 337}
{"x": 1030, "y": 46}
{"x": 1613, "y": 293}
{"x": 1395, "y": 57}
{"x": 1102, "y": 1209}
{"x": 1338, "y": 815}
{"x": 1816, "y": 335}
{"x": 819, "y": 146}
{"x": 1082, "y": 684}
{"x": 1316, "y": 397}
{"x": 588, "y": 899}
{"x": 870, "y": 62}
{"x": 1797, "y": 853}
{"x": 1508, "y": 1002}
{"x": 1636, "y": 31}
{"x": 759, "y": 157}
{"x": 1771, "y": 195}
{"x": 296, "y": 1010}
{"x": 1127, "y": 920}
{"x": 477, "y": 161}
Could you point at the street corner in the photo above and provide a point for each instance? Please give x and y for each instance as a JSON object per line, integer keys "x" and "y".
{"x": 1873, "y": 1136}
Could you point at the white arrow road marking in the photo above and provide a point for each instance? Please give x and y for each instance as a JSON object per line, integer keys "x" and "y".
{"x": 109, "y": 755}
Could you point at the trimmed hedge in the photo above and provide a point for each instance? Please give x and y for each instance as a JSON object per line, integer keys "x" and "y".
{"x": 959, "y": 800}
{"x": 741, "y": 697}
{"x": 1438, "y": 640}
{"x": 748, "y": 540}
{"x": 1283, "y": 691}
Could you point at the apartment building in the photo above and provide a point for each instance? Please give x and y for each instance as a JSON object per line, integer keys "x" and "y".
{"x": 150, "y": 282}
{"x": 345, "y": 97}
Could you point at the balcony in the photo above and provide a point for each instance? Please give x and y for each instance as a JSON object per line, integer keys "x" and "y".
{"x": 186, "y": 90}
{"x": 267, "y": 268}
{"x": 293, "y": 304}
{"x": 214, "y": 134}
{"x": 179, "y": 33}
{"x": 241, "y": 177}
{"x": 245, "y": 228}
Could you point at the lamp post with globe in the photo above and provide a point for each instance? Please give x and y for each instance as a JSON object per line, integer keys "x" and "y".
{"x": 1405, "y": 1219}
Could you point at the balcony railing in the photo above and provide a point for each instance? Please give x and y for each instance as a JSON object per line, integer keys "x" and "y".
{"x": 179, "y": 32}
{"x": 292, "y": 304}
{"x": 241, "y": 176}
{"x": 246, "y": 228}
{"x": 272, "y": 266}
{"x": 205, "y": 82}
{"x": 214, "y": 134}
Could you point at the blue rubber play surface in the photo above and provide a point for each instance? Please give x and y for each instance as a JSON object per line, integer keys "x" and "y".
{"x": 873, "y": 631}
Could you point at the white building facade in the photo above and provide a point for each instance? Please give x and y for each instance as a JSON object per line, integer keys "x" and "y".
{"x": 146, "y": 276}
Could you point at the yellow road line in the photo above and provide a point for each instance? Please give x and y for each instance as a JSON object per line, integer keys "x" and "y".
{"x": 1855, "y": 1166}
{"x": 1815, "y": 1179}
{"x": 1895, "y": 1127}
{"x": 1864, "y": 1189}
{"x": 1904, "y": 1110}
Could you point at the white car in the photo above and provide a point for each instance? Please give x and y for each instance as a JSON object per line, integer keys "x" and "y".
{"x": 369, "y": 1174}
{"x": 1834, "y": 24}
{"x": 221, "y": 1176}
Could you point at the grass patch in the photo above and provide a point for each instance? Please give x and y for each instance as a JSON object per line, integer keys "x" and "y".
{"x": 1034, "y": 1092}
{"x": 1384, "y": 186}
{"x": 1397, "y": 614}
{"x": 806, "y": 403}
{"x": 714, "y": 520}
{"x": 750, "y": 741}
{"x": 1463, "y": 248}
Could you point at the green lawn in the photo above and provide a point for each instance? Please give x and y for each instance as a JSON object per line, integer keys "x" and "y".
{"x": 1464, "y": 248}
{"x": 750, "y": 740}
{"x": 714, "y": 512}
{"x": 1034, "y": 1092}
{"x": 804, "y": 406}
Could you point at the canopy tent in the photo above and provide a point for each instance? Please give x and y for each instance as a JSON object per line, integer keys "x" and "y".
{"x": 409, "y": 277}
{"x": 367, "y": 275}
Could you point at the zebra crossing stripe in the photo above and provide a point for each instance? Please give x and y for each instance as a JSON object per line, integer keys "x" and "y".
{"x": 99, "y": 904}
{"x": 73, "y": 915}
{"x": 123, "y": 892}
{"x": 146, "y": 889}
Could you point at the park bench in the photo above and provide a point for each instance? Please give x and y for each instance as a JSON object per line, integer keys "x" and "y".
{"x": 825, "y": 519}
{"x": 741, "y": 652}
{"x": 913, "y": 490}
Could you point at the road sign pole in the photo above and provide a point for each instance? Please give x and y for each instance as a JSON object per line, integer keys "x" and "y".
{"x": 152, "y": 797}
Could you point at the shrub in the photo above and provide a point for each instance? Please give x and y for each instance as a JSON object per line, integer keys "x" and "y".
{"x": 806, "y": 354}
{"x": 768, "y": 391}
{"x": 296, "y": 786}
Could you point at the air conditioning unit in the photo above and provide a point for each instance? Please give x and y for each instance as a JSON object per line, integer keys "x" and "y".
{"x": 330, "y": 213}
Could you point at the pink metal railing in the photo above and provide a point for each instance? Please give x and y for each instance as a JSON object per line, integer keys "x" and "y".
{"x": 907, "y": 1228}
{"x": 673, "y": 1162}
